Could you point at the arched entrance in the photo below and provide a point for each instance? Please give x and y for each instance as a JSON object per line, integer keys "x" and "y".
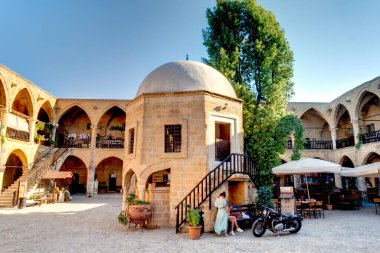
{"x": 317, "y": 130}
{"x": 372, "y": 182}
{"x": 3, "y": 98}
{"x": 74, "y": 129}
{"x": 111, "y": 127}
{"x": 14, "y": 168}
{"x": 108, "y": 173}
{"x": 79, "y": 181}
{"x": 369, "y": 117}
{"x": 44, "y": 125}
{"x": 18, "y": 118}
{"x": 348, "y": 183}
{"x": 344, "y": 132}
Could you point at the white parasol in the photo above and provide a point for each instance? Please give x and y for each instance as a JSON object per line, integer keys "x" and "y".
{"x": 305, "y": 166}
{"x": 369, "y": 170}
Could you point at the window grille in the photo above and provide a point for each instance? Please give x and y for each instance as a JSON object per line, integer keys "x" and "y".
{"x": 131, "y": 140}
{"x": 173, "y": 138}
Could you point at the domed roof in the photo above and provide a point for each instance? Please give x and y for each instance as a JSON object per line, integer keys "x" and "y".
{"x": 186, "y": 76}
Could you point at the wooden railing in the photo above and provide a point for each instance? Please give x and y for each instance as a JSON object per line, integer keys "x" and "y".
{"x": 371, "y": 137}
{"x": 17, "y": 134}
{"x": 234, "y": 163}
{"x": 113, "y": 143}
{"x": 318, "y": 145}
{"x": 346, "y": 142}
{"x": 77, "y": 142}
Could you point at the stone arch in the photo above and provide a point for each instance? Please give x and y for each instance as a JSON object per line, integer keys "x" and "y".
{"x": 346, "y": 161}
{"x": 367, "y": 110}
{"x": 109, "y": 174}
{"x": 15, "y": 166}
{"x": 46, "y": 113}
{"x": 111, "y": 124}
{"x": 3, "y": 94}
{"x": 344, "y": 127}
{"x": 316, "y": 127}
{"x": 23, "y": 103}
{"x": 114, "y": 105}
{"x": 74, "y": 128}
{"x": 372, "y": 157}
{"x": 80, "y": 171}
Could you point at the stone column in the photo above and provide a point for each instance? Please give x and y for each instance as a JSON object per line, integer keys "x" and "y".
{"x": 54, "y": 131}
{"x": 356, "y": 128}
{"x": 93, "y": 136}
{"x": 333, "y": 137}
{"x": 32, "y": 127}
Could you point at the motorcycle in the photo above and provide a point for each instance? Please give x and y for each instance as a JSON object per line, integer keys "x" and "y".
{"x": 276, "y": 222}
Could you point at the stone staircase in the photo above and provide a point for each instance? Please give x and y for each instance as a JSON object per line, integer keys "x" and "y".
{"x": 31, "y": 178}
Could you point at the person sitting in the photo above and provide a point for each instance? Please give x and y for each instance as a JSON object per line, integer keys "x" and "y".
{"x": 234, "y": 223}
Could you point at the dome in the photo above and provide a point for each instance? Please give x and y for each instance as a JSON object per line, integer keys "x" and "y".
{"x": 186, "y": 76}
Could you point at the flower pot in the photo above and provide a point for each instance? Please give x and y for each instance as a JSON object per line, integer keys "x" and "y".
{"x": 139, "y": 212}
{"x": 329, "y": 207}
{"x": 195, "y": 232}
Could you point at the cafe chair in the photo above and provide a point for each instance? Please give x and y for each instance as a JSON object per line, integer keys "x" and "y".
{"x": 319, "y": 209}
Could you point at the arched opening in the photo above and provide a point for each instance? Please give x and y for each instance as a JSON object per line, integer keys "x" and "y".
{"x": 158, "y": 194}
{"x": 108, "y": 173}
{"x": 369, "y": 117}
{"x": 74, "y": 129}
{"x": 79, "y": 181}
{"x": 372, "y": 183}
{"x": 3, "y": 98}
{"x": 130, "y": 183}
{"x": 348, "y": 183}
{"x": 316, "y": 130}
{"x": 111, "y": 127}
{"x": 14, "y": 168}
{"x": 344, "y": 132}
{"x": 44, "y": 127}
{"x": 22, "y": 111}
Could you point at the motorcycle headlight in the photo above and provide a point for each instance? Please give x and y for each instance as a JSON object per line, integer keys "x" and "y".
{"x": 265, "y": 211}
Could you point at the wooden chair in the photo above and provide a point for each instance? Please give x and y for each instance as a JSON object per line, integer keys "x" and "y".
{"x": 299, "y": 208}
{"x": 319, "y": 209}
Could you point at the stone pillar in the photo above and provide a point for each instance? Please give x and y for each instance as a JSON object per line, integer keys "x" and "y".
{"x": 32, "y": 127}
{"x": 93, "y": 136}
{"x": 356, "y": 129}
{"x": 160, "y": 200}
{"x": 333, "y": 137}
{"x": 53, "y": 131}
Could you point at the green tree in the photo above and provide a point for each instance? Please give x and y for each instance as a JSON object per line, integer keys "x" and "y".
{"x": 247, "y": 44}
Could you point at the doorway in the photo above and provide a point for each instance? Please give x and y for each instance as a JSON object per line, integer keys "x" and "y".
{"x": 222, "y": 140}
{"x": 112, "y": 182}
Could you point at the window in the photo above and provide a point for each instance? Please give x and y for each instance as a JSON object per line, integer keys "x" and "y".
{"x": 131, "y": 140}
{"x": 173, "y": 138}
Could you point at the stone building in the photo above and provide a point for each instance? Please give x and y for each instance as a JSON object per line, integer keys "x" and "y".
{"x": 184, "y": 121}
{"x": 344, "y": 131}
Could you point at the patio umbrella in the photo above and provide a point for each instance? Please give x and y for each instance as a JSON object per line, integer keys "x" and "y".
{"x": 369, "y": 170}
{"x": 304, "y": 166}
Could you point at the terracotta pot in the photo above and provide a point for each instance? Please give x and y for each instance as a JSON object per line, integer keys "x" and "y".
{"x": 139, "y": 212}
{"x": 329, "y": 207}
{"x": 195, "y": 232}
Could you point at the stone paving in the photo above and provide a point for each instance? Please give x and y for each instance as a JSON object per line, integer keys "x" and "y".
{"x": 90, "y": 225}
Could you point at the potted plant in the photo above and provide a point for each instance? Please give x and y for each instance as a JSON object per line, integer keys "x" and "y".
{"x": 138, "y": 210}
{"x": 330, "y": 187}
{"x": 193, "y": 217}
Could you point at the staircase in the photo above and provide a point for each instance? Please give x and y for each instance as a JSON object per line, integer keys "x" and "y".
{"x": 31, "y": 178}
{"x": 234, "y": 163}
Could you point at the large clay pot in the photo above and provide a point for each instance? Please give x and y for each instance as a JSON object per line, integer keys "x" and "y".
{"x": 195, "y": 232}
{"x": 139, "y": 212}
{"x": 329, "y": 207}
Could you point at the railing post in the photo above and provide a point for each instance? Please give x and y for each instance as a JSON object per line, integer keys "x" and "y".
{"x": 177, "y": 222}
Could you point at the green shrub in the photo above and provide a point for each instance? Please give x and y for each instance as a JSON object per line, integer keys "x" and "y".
{"x": 193, "y": 217}
{"x": 264, "y": 197}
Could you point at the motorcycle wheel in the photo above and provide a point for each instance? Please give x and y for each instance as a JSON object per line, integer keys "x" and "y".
{"x": 296, "y": 224}
{"x": 258, "y": 228}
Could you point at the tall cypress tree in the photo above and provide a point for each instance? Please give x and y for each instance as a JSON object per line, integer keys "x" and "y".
{"x": 247, "y": 44}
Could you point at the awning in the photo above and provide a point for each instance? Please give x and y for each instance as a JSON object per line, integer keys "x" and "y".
{"x": 305, "y": 166}
{"x": 369, "y": 170}
{"x": 16, "y": 122}
{"x": 58, "y": 175}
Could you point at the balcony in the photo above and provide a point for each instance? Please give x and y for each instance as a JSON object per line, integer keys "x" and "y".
{"x": 346, "y": 142}
{"x": 112, "y": 143}
{"x": 371, "y": 137}
{"x": 17, "y": 134}
{"x": 77, "y": 142}
{"x": 318, "y": 145}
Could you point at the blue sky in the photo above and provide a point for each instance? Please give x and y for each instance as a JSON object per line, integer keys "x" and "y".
{"x": 104, "y": 49}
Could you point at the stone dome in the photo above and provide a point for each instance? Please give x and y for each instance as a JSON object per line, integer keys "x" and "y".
{"x": 186, "y": 76}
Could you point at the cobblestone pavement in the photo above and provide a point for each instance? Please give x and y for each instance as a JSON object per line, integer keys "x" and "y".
{"x": 90, "y": 225}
